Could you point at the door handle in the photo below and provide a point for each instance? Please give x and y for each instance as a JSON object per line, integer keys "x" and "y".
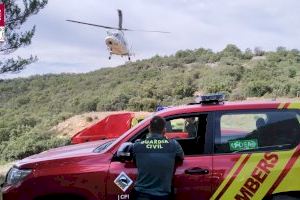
{"x": 196, "y": 171}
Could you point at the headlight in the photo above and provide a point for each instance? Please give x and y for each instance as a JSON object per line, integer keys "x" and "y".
{"x": 16, "y": 175}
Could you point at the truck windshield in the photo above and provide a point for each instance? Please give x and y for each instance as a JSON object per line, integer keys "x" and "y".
{"x": 132, "y": 128}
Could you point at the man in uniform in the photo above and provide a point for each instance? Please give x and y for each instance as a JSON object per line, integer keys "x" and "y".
{"x": 155, "y": 158}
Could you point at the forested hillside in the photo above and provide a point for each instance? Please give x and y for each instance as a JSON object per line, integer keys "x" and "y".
{"x": 29, "y": 107}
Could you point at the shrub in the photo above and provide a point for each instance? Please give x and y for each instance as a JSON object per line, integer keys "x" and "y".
{"x": 231, "y": 50}
{"x": 292, "y": 72}
{"x": 142, "y": 104}
{"x": 22, "y": 101}
{"x": 29, "y": 144}
{"x": 248, "y": 54}
{"x": 237, "y": 95}
{"x": 89, "y": 119}
{"x": 258, "y": 88}
{"x": 258, "y": 51}
{"x": 88, "y": 105}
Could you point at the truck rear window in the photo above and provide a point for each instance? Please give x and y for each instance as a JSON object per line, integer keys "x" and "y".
{"x": 263, "y": 130}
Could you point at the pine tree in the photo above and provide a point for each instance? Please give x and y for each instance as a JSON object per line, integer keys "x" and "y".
{"x": 16, "y": 14}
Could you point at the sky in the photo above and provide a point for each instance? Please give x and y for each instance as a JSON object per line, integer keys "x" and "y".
{"x": 64, "y": 47}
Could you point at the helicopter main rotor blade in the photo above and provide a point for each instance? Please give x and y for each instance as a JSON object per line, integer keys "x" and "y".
{"x": 120, "y": 19}
{"x": 140, "y": 30}
{"x": 96, "y": 25}
{"x": 115, "y": 28}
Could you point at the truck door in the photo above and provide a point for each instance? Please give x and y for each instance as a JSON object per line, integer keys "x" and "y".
{"x": 255, "y": 153}
{"x": 192, "y": 179}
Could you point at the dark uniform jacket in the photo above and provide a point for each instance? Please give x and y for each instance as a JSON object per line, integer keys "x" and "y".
{"x": 155, "y": 159}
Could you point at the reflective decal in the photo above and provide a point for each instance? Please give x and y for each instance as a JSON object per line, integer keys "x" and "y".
{"x": 123, "y": 181}
{"x": 154, "y": 144}
{"x": 240, "y": 145}
{"x": 258, "y": 176}
{"x": 123, "y": 196}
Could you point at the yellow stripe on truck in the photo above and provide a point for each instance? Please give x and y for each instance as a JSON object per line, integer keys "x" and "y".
{"x": 292, "y": 181}
{"x": 294, "y": 106}
{"x": 257, "y": 176}
{"x": 225, "y": 181}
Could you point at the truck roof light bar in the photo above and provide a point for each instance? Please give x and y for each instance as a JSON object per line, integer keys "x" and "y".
{"x": 215, "y": 98}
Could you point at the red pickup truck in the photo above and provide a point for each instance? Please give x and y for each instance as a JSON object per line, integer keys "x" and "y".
{"x": 239, "y": 151}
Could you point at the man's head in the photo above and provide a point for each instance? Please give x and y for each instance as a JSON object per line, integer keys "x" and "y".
{"x": 157, "y": 125}
{"x": 190, "y": 119}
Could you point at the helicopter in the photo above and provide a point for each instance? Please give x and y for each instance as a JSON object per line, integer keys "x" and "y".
{"x": 115, "y": 41}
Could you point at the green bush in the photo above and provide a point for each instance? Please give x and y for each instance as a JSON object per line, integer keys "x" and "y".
{"x": 139, "y": 104}
{"x": 88, "y": 105}
{"x": 258, "y": 88}
{"x": 29, "y": 144}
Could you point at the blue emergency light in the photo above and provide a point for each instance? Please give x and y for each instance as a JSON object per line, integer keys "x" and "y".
{"x": 159, "y": 108}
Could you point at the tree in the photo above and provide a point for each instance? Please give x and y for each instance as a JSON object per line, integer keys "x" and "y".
{"x": 16, "y": 14}
{"x": 258, "y": 51}
{"x": 231, "y": 51}
{"x": 248, "y": 54}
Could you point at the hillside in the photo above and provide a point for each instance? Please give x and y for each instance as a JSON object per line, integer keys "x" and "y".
{"x": 30, "y": 107}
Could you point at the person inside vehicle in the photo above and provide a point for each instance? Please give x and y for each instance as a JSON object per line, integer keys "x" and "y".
{"x": 191, "y": 127}
{"x": 155, "y": 159}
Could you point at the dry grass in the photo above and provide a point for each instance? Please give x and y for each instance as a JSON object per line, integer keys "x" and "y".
{"x": 2, "y": 177}
{"x": 4, "y": 169}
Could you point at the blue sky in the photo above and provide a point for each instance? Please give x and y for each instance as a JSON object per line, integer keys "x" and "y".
{"x": 66, "y": 47}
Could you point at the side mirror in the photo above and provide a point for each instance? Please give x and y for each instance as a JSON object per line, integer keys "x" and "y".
{"x": 124, "y": 151}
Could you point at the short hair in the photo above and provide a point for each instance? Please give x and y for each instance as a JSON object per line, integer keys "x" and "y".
{"x": 157, "y": 125}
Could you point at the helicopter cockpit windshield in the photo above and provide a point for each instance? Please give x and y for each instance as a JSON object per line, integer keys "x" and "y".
{"x": 117, "y": 35}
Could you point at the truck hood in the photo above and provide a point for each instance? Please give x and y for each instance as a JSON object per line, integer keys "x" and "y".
{"x": 65, "y": 152}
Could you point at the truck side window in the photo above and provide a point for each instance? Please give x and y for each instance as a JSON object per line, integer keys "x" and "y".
{"x": 265, "y": 130}
{"x": 189, "y": 131}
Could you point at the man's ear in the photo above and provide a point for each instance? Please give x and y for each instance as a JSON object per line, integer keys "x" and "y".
{"x": 164, "y": 133}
